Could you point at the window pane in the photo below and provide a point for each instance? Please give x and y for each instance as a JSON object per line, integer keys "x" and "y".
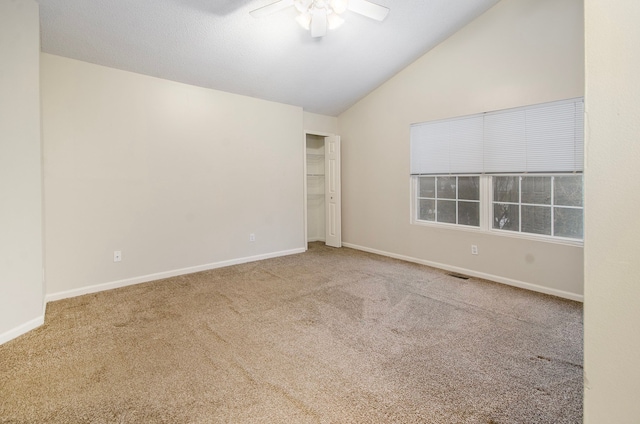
{"x": 567, "y": 222}
{"x": 427, "y": 210}
{"x": 446, "y": 188}
{"x": 427, "y": 187}
{"x": 536, "y": 219}
{"x": 529, "y": 203}
{"x": 469, "y": 188}
{"x": 505, "y": 217}
{"x": 447, "y": 211}
{"x": 568, "y": 190}
{"x": 536, "y": 190}
{"x": 505, "y": 189}
{"x": 469, "y": 213}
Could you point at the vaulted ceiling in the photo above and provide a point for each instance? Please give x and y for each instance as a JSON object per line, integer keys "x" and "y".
{"x": 217, "y": 44}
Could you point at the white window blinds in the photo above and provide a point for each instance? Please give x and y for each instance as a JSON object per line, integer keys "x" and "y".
{"x": 541, "y": 138}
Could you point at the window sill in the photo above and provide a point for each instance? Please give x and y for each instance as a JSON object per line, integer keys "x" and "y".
{"x": 500, "y": 233}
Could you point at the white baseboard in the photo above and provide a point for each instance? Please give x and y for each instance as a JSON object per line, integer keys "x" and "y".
{"x": 472, "y": 273}
{"x": 21, "y": 329}
{"x": 167, "y": 274}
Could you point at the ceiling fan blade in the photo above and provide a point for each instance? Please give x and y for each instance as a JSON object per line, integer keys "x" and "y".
{"x": 368, "y": 9}
{"x": 318, "y": 24}
{"x": 271, "y": 8}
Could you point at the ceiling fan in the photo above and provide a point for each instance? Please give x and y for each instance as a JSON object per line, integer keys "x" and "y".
{"x": 320, "y": 15}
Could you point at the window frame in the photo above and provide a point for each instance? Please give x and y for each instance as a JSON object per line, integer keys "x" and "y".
{"x": 486, "y": 208}
{"x": 457, "y": 199}
{"x": 551, "y": 206}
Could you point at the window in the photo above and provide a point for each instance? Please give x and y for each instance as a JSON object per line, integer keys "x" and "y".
{"x": 514, "y": 171}
{"x": 549, "y": 205}
{"x": 449, "y": 199}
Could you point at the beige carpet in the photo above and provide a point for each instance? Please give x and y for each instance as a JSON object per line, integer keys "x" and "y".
{"x": 328, "y": 336}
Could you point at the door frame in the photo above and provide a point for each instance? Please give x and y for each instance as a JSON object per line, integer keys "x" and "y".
{"x": 304, "y": 175}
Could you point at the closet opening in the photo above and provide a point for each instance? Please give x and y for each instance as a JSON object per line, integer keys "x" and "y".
{"x": 322, "y": 184}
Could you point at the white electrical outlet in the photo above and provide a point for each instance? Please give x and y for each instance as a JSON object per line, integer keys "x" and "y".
{"x": 117, "y": 256}
{"x": 474, "y": 249}
{"x": 252, "y": 237}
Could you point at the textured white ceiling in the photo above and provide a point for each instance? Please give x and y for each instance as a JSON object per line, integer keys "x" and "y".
{"x": 217, "y": 44}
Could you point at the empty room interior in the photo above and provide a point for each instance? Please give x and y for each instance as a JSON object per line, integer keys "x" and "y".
{"x": 319, "y": 211}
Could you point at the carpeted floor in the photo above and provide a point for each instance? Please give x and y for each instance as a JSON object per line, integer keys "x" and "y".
{"x": 328, "y": 336}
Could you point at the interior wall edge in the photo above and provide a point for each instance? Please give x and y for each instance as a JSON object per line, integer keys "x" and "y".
{"x": 472, "y": 273}
{"x": 95, "y": 288}
{"x": 21, "y": 189}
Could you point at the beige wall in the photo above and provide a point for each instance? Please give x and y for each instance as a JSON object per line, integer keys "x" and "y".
{"x": 612, "y": 264}
{"x": 322, "y": 124}
{"x": 21, "y": 286}
{"x": 519, "y": 52}
{"x": 174, "y": 176}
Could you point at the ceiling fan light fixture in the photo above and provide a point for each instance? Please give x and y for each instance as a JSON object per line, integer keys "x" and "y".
{"x": 334, "y": 20}
{"x": 318, "y": 16}
{"x": 339, "y": 6}
{"x": 304, "y": 19}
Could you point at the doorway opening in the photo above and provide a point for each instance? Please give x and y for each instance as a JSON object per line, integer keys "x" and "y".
{"x": 322, "y": 187}
{"x": 315, "y": 189}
